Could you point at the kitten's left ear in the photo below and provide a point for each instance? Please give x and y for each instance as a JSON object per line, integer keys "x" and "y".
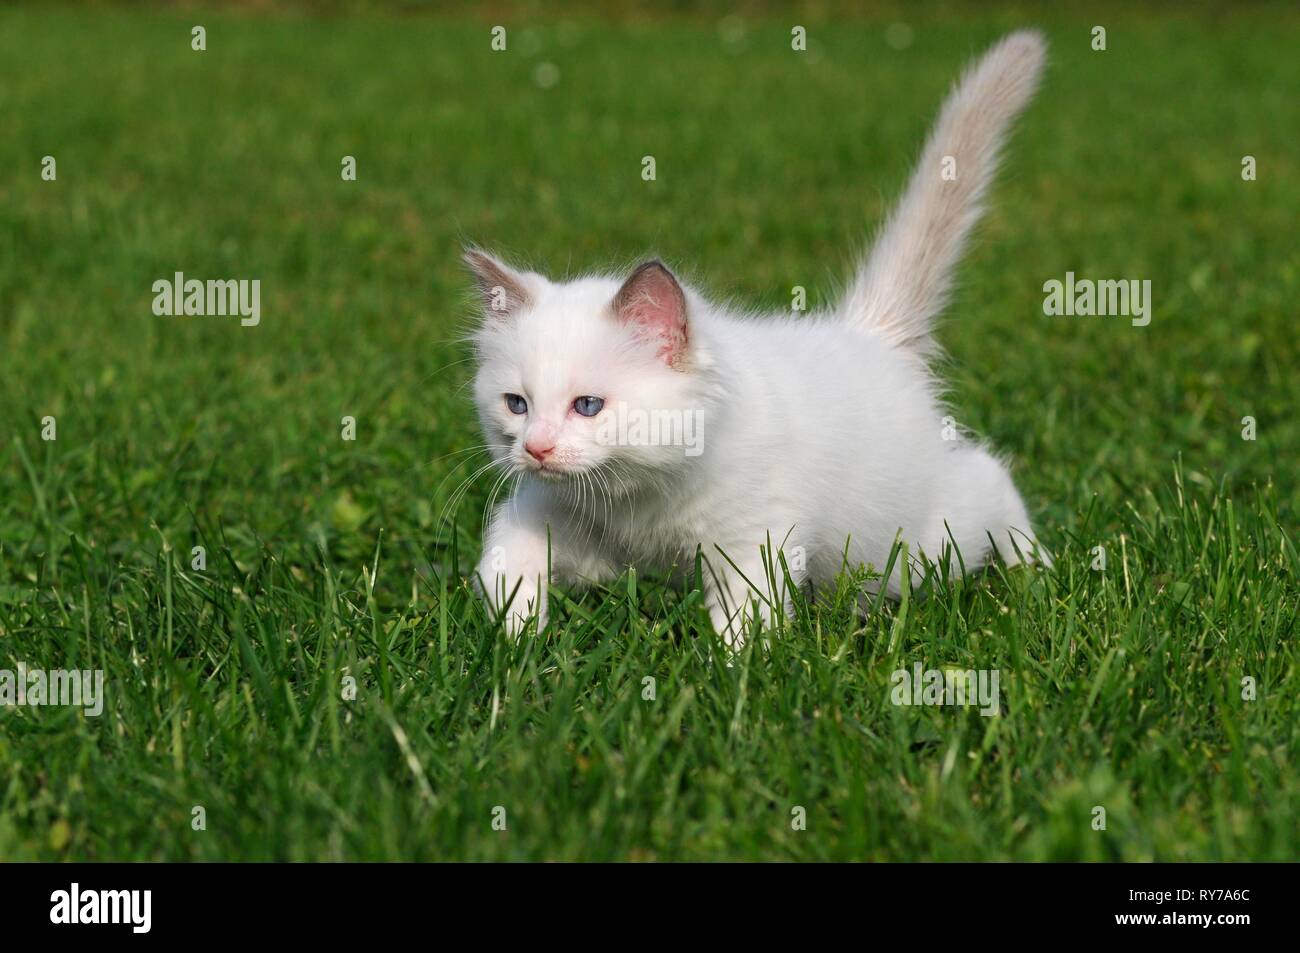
{"x": 653, "y": 302}
{"x": 505, "y": 291}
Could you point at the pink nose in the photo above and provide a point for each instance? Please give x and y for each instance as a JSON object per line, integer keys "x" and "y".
{"x": 539, "y": 450}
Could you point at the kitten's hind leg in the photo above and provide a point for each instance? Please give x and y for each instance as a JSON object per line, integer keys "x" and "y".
{"x": 981, "y": 503}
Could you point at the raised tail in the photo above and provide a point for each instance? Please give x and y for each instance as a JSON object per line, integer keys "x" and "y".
{"x": 905, "y": 282}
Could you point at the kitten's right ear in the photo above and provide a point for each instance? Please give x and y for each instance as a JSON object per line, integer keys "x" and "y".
{"x": 653, "y": 302}
{"x": 504, "y": 290}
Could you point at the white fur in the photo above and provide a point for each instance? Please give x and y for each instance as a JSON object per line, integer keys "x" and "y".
{"x": 905, "y": 282}
{"x": 823, "y": 434}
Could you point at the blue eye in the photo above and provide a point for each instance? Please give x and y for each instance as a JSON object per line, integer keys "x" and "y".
{"x": 589, "y": 406}
{"x": 516, "y": 404}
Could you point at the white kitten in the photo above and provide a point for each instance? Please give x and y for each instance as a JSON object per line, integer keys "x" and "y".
{"x": 648, "y": 422}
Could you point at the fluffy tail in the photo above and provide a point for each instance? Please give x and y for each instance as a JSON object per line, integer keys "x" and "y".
{"x": 905, "y": 282}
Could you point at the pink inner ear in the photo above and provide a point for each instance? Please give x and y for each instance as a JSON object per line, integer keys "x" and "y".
{"x": 502, "y": 289}
{"x": 653, "y": 301}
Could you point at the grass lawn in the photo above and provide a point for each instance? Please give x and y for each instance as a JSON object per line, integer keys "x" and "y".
{"x": 329, "y": 559}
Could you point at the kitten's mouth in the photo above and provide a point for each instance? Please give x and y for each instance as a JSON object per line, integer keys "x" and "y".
{"x": 547, "y": 470}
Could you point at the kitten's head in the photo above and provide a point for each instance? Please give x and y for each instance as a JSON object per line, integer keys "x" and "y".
{"x": 587, "y": 374}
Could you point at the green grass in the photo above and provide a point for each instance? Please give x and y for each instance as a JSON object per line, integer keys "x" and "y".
{"x": 327, "y": 558}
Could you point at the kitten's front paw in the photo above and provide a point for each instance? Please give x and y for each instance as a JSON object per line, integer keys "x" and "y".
{"x": 513, "y": 599}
